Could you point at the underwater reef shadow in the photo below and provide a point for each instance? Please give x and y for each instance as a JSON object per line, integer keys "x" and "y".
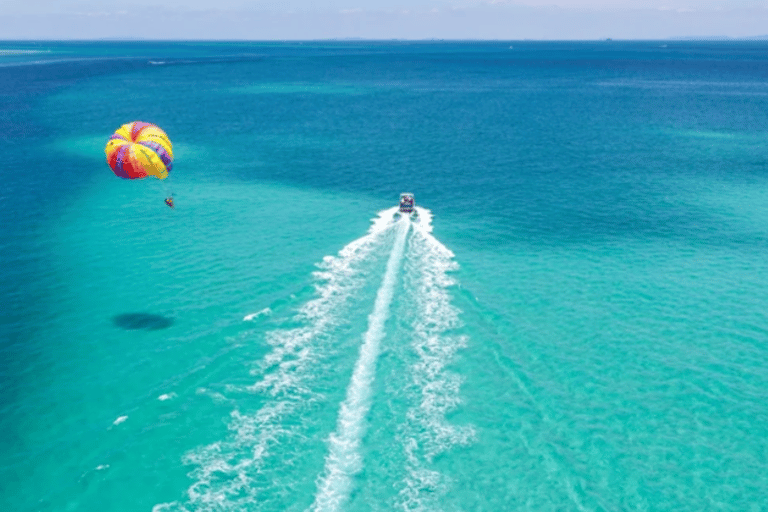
{"x": 142, "y": 321}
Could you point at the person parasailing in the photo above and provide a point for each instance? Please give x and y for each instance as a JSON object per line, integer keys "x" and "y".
{"x": 138, "y": 150}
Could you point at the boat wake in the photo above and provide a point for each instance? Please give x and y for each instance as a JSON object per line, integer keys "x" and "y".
{"x": 344, "y": 459}
{"x": 278, "y": 427}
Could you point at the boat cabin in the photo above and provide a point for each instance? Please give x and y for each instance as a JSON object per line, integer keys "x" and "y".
{"x": 406, "y": 202}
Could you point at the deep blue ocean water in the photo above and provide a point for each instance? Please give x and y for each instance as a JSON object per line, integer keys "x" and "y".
{"x": 578, "y": 321}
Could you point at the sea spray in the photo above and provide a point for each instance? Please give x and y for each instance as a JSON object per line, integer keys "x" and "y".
{"x": 344, "y": 459}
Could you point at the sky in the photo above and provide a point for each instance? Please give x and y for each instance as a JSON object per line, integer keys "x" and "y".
{"x": 381, "y": 19}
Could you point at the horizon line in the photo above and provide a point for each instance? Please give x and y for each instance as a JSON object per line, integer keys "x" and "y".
{"x": 378, "y": 39}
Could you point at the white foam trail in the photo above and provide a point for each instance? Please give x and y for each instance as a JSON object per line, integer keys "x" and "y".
{"x": 384, "y": 220}
{"x": 120, "y": 420}
{"x": 434, "y": 390}
{"x": 344, "y": 459}
{"x": 11, "y": 51}
{"x": 425, "y": 220}
{"x": 227, "y": 471}
{"x": 263, "y": 312}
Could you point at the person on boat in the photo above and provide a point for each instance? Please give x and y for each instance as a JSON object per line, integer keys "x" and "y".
{"x": 169, "y": 201}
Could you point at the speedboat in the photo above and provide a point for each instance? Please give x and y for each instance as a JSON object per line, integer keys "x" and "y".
{"x": 407, "y": 206}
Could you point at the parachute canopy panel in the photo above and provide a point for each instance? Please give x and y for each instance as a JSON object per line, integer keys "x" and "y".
{"x": 137, "y": 150}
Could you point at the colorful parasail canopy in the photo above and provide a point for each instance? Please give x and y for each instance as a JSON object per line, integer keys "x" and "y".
{"x": 137, "y": 150}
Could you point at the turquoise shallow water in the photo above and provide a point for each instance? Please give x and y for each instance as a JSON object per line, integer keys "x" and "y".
{"x": 577, "y": 322}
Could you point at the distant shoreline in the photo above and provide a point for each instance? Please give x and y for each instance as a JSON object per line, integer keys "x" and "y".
{"x": 393, "y": 40}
